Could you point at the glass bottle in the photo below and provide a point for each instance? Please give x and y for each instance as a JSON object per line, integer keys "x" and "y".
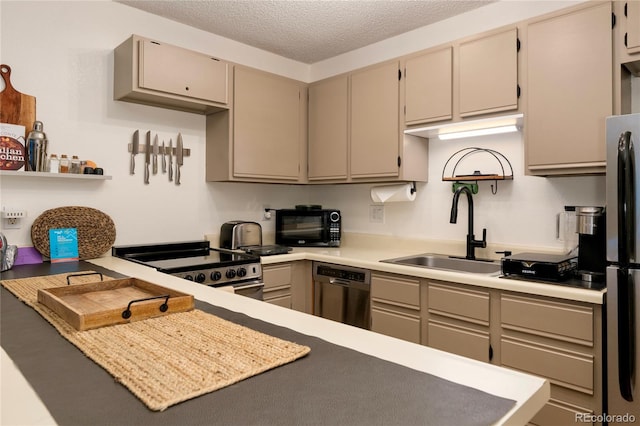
{"x": 64, "y": 164}
{"x": 75, "y": 165}
{"x": 54, "y": 164}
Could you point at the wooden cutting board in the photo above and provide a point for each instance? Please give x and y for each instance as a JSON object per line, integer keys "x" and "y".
{"x": 16, "y": 107}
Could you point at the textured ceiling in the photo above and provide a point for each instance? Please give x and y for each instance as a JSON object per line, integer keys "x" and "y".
{"x": 307, "y": 30}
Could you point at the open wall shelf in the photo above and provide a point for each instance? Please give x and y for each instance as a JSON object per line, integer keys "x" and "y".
{"x": 45, "y": 175}
{"x": 503, "y": 172}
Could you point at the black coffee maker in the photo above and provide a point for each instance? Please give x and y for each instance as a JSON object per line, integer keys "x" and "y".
{"x": 592, "y": 243}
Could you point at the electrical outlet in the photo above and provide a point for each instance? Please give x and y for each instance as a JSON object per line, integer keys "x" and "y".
{"x": 266, "y": 212}
{"x": 13, "y": 213}
{"x": 376, "y": 213}
{"x": 11, "y": 218}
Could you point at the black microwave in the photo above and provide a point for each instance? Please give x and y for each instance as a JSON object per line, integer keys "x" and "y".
{"x": 308, "y": 228}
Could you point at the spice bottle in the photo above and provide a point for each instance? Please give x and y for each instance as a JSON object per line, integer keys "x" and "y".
{"x": 75, "y": 165}
{"x": 64, "y": 164}
{"x": 54, "y": 164}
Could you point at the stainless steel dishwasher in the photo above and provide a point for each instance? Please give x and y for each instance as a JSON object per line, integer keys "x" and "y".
{"x": 342, "y": 293}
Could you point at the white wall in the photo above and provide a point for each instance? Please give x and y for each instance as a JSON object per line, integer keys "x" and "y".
{"x": 522, "y": 212}
{"x": 62, "y": 53}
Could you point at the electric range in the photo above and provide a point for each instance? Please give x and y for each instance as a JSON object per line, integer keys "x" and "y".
{"x": 196, "y": 261}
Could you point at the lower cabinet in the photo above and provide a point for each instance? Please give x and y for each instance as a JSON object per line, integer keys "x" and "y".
{"x": 457, "y": 320}
{"x": 558, "y": 340}
{"x": 289, "y": 285}
{"x": 395, "y": 306}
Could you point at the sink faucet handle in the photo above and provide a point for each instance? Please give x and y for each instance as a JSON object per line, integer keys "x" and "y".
{"x": 484, "y": 237}
{"x": 505, "y": 252}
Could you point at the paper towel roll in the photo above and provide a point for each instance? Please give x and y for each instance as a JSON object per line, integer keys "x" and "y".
{"x": 393, "y": 193}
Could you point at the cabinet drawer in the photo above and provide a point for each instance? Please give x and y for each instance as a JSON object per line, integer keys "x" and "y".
{"x": 459, "y": 341}
{"x": 277, "y": 276}
{"x": 273, "y": 293}
{"x": 400, "y": 326}
{"x": 285, "y": 301}
{"x": 568, "y": 369}
{"x": 558, "y": 413}
{"x": 455, "y": 302}
{"x": 560, "y": 320}
{"x": 182, "y": 72}
{"x": 401, "y": 290}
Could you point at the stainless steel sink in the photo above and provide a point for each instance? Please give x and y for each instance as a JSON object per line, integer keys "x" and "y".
{"x": 449, "y": 263}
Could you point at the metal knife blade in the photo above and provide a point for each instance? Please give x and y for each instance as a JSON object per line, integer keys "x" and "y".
{"x": 134, "y": 151}
{"x": 179, "y": 158}
{"x": 147, "y": 156}
{"x": 164, "y": 159}
{"x": 155, "y": 155}
{"x": 170, "y": 160}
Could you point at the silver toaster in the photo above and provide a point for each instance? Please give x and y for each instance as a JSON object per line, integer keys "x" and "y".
{"x": 239, "y": 233}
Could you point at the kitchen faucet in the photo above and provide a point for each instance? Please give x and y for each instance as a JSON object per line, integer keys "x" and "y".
{"x": 472, "y": 243}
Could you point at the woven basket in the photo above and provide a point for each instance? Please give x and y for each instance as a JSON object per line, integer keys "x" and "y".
{"x": 96, "y": 230}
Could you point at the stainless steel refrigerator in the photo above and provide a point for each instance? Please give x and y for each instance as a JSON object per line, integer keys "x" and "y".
{"x": 623, "y": 270}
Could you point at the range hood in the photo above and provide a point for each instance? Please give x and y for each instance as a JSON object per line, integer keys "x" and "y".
{"x": 470, "y": 128}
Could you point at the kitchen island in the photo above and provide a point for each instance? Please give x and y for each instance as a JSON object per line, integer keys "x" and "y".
{"x": 21, "y": 406}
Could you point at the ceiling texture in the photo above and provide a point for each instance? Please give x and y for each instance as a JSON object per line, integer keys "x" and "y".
{"x": 307, "y": 31}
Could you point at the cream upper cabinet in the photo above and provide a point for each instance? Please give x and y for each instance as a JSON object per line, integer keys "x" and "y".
{"x": 179, "y": 71}
{"x": 267, "y": 123}
{"x": 429, "y": 87}
{"x": 375, "y": 130}
{"x": 488, "y": 73}
{"x": 262, "y": 138}
{"x": 569, "y": 95}
{"x": 328, "y": 129}
{"x": 155, "y": 73}
{"x": 632, "y": 39}
{"x": 626, "y": 48}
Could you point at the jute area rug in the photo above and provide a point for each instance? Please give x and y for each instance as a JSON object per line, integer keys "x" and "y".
{"x": 168, "y": 359}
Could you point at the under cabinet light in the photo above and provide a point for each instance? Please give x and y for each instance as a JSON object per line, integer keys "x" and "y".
{"x": 478, "y": 132}
{"x": 469, "y": 128}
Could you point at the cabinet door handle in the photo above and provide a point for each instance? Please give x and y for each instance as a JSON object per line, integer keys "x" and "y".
{"x": 490, "y": 352}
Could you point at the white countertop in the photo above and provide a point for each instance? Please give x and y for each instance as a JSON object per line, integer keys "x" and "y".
{"x": 20, "y": 405}
{"x": 369, "y": 253}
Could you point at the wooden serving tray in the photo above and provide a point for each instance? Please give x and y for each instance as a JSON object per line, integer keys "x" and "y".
{"x": 98, "y": 304}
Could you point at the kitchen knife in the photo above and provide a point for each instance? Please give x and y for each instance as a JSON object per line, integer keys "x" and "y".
{"x": 155, "y": 155}
{"x": 134, "y": 151}
{"x": 170, "y": 160}
{"x": 179, "y": 158}
{"x": 147, "y": 155}
{"x": 164, "y": 159}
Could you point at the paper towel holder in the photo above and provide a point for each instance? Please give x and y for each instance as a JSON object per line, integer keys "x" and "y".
{"x": 400, "y": 191}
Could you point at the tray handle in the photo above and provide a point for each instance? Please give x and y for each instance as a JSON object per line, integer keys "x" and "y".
{"x": 126, "y": 314}
{"x": 82, "y": 275}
